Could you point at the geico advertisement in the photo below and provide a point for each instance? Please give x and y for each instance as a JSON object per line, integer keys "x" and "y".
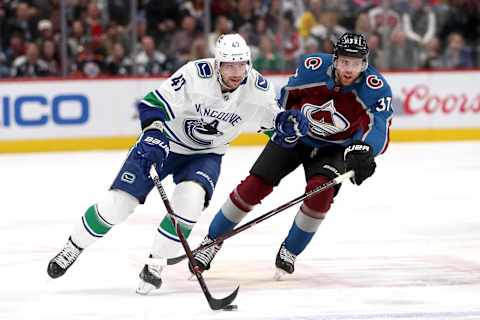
{"x": 73, "y": 108}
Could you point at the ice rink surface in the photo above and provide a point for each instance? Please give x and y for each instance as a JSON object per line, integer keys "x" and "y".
{"x": 405, "y": 245}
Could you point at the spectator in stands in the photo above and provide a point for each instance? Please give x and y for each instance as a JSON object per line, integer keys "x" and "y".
{"x": 310, "y": 18}
{"x": 194, "y": 8}
{"x": 182, "y": 40}
{"x": 222, "y": 7}
{"x": 457, "y": 54}
{"x": 376, "y": 57}
{"x": 398, "y": 56}
{"x": 267, "y": 60}
{"x": 78, "y": 40}
{"x": 222, "y": 26}
{"x": 260, "y": 30}
{"x": 419, "y": 24}
{"x": 115, "y": 33}
{"x": 328, "y": 28}
{"x": 117, "y": 64}
{"x": 462, "y": 16}
{"x": 119, "y": 11}
{"x": 149, "y": 61}
{"x": 162, "y": 17}
{"x": 383, "y": 19}
{"x": 90, "y": 62}
{"x": 48, "y": 53}
{"x": 431, "y": 57}
{"x": 23, "y": 22}
{"x": 15, "y": 49}
{"x": 4, "y": 69}
{"x": 199, "y": 49}
{"x": 30, "y": 64}
{"x": 289, "y": 38}
{"x": 244, "y": 15}
{"x": 141, "y": 29}
{"x": 272, "y": 16}
{"x": 45, "y": 32}
{"x": 246, "y": 33}
{"x": 310, "y": 46}
{"x": 362, "y": 24}
{"x": 93, "y": 22}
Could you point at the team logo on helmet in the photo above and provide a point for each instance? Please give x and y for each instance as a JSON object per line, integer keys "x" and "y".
{"x": 313, "y": 63}
{"x": 196, "y": 130}
{"x": 374, "y": 82}
{"x": 324, "y": 120}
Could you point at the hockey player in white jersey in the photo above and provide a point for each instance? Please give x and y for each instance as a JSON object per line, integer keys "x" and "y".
{"x": 188, "y": 123}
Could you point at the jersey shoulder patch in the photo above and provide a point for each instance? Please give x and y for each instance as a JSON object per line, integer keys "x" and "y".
{"x": 262, "y": 83}
{"x": 204, "y": 69}
{"x": 313, "y": 62}
{"x": 374, "y": 82}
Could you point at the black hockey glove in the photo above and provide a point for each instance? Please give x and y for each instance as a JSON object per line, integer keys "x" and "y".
{"x": 359, "y": 158}
{"x": 153, "y": 147}
{"x": 290, "y": 125}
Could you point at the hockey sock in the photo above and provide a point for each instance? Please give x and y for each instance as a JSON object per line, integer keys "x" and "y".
{"x": 187, "y": 203}
{"x": 101, "y": 217}
{"x": 226, "y": 219}
{"x": 242, "y": 200}
{"x": 301, "y": 232}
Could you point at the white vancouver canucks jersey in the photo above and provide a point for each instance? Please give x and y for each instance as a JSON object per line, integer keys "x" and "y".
{"x": 199, "y": 118}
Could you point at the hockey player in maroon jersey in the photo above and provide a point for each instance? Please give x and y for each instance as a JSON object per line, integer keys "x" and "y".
{"x": 348, "y": 105}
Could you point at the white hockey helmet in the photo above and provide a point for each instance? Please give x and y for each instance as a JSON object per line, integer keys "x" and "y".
{"x": 231, "y": 48}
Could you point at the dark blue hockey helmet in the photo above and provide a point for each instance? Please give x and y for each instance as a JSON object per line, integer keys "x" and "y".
{"x": 352, "y": 45}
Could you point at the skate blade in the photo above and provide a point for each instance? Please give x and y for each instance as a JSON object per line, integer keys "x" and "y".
{"x": 144, "y": 288}
{"x": 279, "y": 274}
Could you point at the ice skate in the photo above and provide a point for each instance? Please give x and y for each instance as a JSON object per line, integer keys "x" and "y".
{"x": 204, "y": 257}
{"x": 150, "y": 279}
{"x": 64, "y": 259}
{"x": 284, "y": 262}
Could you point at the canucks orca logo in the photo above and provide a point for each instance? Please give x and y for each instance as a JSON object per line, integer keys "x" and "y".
{"x": 324, "y": 120}
{"x": 198, "y": 131}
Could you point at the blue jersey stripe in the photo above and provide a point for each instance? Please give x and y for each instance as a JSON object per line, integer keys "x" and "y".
{"x": 167, "y": 235}
{"x": 166, "y": 103}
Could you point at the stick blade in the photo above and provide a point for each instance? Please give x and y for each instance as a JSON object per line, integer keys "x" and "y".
{"x": 218, "y": 304}
{"x": 175, "y": 260}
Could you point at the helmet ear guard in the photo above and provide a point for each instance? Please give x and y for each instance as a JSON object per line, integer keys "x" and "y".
{"x": 352, "y": 45}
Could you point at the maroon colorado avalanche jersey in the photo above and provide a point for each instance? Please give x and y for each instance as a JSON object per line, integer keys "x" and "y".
{"x": 340, "y": 114}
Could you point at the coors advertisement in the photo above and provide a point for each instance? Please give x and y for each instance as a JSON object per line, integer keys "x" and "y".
{"x": 436, "y": 100}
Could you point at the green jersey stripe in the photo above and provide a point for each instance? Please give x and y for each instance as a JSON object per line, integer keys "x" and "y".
{"x": 167, "y": 227}
{"x": 95, "y": 223}
{"x": 152, "y": 101}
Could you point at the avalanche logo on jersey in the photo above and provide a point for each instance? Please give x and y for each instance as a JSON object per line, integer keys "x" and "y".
{"x": 324, "y": 120}
{"x": 313, "y": 63}
{"x": 195, "y": 129}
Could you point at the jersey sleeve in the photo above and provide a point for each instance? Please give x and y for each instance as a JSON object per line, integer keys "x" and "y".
{"x": 381, "y": 113}
{"x": 162, "y": 103}
{"x": 268, "y": 105}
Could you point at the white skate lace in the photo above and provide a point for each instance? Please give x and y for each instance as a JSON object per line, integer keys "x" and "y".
{"x": 287, "y": 256}
{"x": 205, "y": 256}
{"x": 67, "y": 256}
{"x": 155, "y": 270}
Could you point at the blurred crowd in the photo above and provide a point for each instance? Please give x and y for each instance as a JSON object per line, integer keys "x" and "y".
{"x": 104, "y": 38}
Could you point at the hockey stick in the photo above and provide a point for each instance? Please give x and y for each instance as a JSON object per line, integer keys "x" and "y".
{"x": 306, "y": 195}
{"x": 215, "y": 304}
